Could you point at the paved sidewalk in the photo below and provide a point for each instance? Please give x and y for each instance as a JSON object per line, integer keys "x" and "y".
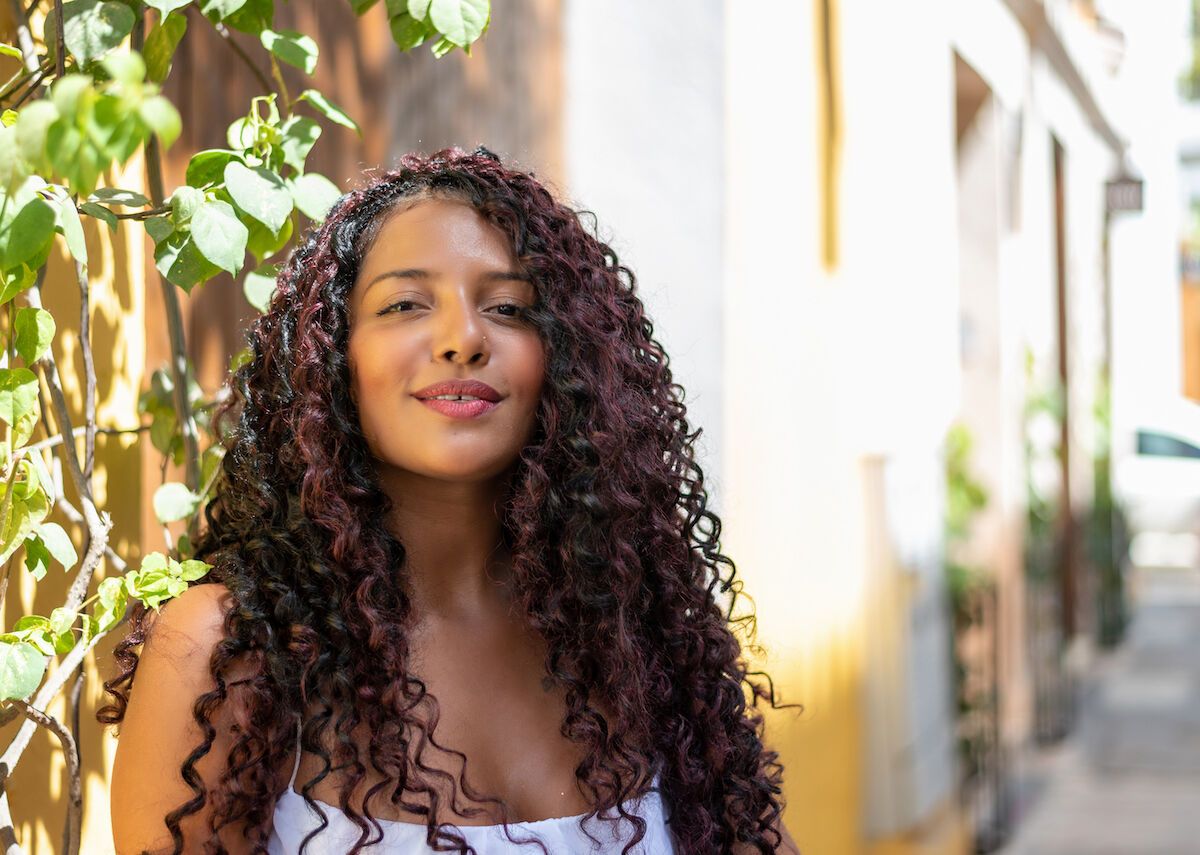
{"x": 1127, "y": 782}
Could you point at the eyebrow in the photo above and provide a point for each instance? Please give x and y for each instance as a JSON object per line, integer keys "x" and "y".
{"x": 417, "y": 273}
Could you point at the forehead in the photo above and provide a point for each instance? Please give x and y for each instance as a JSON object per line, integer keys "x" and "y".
{"x": 437, "y": 232}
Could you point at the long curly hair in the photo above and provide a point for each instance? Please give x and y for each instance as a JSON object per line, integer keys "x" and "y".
{"x": 615, "y": 553}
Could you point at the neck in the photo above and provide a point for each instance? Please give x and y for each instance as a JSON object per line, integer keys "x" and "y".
{"x": 456, "y": 565}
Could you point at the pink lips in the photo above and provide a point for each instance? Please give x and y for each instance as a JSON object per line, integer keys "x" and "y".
{"x": 459, "y": 409}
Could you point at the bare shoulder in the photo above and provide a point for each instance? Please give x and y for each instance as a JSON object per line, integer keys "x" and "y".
{"x": 159, "y": 731}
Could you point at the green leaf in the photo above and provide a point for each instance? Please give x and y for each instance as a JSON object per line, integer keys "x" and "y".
{"x": 34, "y": 333}
{"x": 161, "y": 45}
{"x": 460, "y": 21}
{"x": 154, "y": 561}
{"x": 408, "y": 32}
{"x": 72, "y": 228}
{"x": 18, "y": 394}
{"x": 218, "y": 10}
{"x": 328, "y": 109}
{"x": 59, "y": 543}
{"x": 9, "y": 50}
{"x": 126, "y": 67}
{"x": 299, "y": 136}
{"x": 184, "y": 203}
{"x": 240, "y": 134}
{"x": 442, "y": 47}
{"x": 208, "y": 166}
{"x": 61, "y": 620}
{"x": 359, "y": 6}
{"x": 260, "y": 286}
{"x": 315, "y": 195}
{"x": 254, "y": 17}
{"x": 37, "y": 558}
{"x": 21, "y": 669}
{"x": 263, "y": 242}
{"x": 292, "y": 47}
{"x": 117, "y": 196}
{"x": 72, "y": 92}
{"x": 159, "y": 228}
{"x": 260, "y": 193}
{"x": 181, "y": 262}
{"x": 174, "y": 501}
{"x": 101, "y": 213}
{"x": 166, "y": 7}
{"x": 28, "y": 622}
{"x": 210, "y": 460}
{"x": 73, "y": 157}
{"x": 109, "y": 591}
{"x": 92, "y": 28}
{"x": 193, "y": 569}
{"x": 220, "y": 235}
{"x": 27, "y": 234}
{"x": 8, "y": 118}
{"x": 419, "y": 9}
{"x": 114, "y": 598}
{"x": 14, "y": 281}
{"x": 160, "y": 116}
{"x": 33, "y": 123}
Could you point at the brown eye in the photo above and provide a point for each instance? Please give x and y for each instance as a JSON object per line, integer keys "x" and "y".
{"x": 517, "y": 310}
{"x": 395, "y": 305}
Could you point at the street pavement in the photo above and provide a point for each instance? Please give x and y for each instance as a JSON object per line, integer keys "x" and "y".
{"x": 1127, "y": 782}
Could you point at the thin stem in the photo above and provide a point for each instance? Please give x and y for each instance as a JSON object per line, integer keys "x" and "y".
{"x": 143, "y": 215}
{"x": 33, "y": 86}
{"x": 183, "y": 407}
{"x": 60, "y": 45}
{"x": 70, "y": 752}
{"x": 85, "y": 346}
{"x": 227, "y": 36}
{"x": 57, "y": 438}
{"x": 277, "y": 73}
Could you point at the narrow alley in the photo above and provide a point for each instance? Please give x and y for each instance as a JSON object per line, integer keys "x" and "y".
{"x": 1128, "y": 781}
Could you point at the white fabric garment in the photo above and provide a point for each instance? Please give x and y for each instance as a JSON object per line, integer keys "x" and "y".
{"x": 294, "y": 820}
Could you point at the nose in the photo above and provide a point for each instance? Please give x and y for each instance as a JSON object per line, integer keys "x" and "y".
{"x": 459, "y": 336}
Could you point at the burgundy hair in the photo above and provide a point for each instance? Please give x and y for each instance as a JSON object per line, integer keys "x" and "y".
{"x": 616, "y": 558}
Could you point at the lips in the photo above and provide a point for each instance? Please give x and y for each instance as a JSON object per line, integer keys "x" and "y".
{"x": 473, "y": 388}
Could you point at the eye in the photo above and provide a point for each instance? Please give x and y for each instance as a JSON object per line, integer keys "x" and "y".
{"x": 517, "y": 310}
{"x": 396, "y": 305}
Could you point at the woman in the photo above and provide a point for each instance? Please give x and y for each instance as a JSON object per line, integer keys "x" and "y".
{"x": 464, "y": 593}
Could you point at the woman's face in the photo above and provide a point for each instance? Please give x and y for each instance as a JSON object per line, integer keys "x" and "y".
{"x": 434, "y": 302}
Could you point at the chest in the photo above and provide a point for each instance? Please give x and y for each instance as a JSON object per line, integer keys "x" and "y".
{"x": 492, "y": 706}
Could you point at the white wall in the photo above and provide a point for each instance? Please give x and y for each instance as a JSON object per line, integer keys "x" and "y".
{"x": 643, "y": 115}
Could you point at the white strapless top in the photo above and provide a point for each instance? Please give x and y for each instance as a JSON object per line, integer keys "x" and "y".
{"x": 294, "y": 820}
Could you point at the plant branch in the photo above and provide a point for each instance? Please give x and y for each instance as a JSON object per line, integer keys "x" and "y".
{"x": 57, "y": 439}
{"x": 33, "y": 87}
{"x": 228, "y": 38}
{"x": 183, "y": 407}
{"x": 8, "y": 840}
{"x": 70, "y": 752}
{"x": 98, "y": 524}
{"x": 277, "y": 73}
{"x": 60, "y": 44}
{"x": 144, "y": 215}
{"x": 89, "y": 368}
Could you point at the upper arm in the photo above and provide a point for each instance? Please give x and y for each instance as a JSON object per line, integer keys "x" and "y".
{"x": 159, "y": 731}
